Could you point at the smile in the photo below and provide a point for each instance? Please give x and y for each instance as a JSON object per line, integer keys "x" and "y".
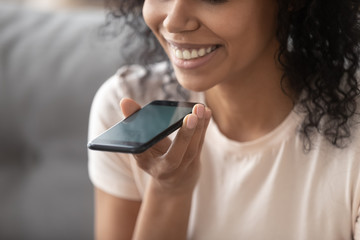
{"x": 191, "y": 53}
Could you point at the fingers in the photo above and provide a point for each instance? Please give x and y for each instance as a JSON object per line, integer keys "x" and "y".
{"x": 207, "y": 117}
{"x": 176, "y": 152}
{"x": 188, "y": 142}
{"x": 128, "y": 106}
{"x": 206, "y": 124}
{"x": 170, "y": 160}
{"x": 194, "y": 148}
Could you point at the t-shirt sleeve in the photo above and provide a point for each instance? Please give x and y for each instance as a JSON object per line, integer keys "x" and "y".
{"x": 109, "y": 171}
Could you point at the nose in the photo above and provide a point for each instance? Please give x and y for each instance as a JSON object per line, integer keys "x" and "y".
{"x": 180, "y": 17}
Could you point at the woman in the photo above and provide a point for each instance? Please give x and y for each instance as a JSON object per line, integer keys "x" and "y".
{"x": 278, "y": 154}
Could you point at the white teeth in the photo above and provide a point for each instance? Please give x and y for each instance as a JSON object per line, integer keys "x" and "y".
{"x": 188, "y": 54}
{"x": 201, "y": 52}
{"x": 178, "y": 54}
{"x": 194, "y": 54}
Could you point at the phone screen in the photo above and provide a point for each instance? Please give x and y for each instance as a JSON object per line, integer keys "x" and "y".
{"x": 144, "y": 128}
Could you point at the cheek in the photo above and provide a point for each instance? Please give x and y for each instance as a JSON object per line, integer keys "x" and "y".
{"x": 146, "y": 11}
{"x": 151, "y": 15}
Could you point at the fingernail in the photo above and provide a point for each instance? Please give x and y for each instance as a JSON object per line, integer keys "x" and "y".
{"x": 191, "y": 121}
{"x": 200, "y": 111}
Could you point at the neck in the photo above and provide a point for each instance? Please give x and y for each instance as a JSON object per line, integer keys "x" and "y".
{"x": 249, "y": 108}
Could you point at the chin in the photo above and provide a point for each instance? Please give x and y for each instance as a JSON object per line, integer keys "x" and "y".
{"x": 194, "y": 83}
{"x": 194, "y": 86}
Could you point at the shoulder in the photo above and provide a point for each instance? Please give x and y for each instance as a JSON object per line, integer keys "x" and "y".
{"x": 133, "y": 81}
{"x": 143, "y": 84}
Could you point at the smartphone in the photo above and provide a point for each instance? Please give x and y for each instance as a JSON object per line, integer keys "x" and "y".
{"x": 144, "y": 128}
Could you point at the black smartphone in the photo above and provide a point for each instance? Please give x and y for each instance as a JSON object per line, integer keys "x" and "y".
{"x": 144, "y": 128}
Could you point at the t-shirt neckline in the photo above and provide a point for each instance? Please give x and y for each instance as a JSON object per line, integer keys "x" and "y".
{"x": 280, "y": 134}
{"x": 274, "y": 138}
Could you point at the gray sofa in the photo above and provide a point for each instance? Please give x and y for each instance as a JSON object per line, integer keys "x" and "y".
{"x": 51, "y": 64}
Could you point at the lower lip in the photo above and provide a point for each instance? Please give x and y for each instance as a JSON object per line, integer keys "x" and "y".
{"x": 192, "y": 63}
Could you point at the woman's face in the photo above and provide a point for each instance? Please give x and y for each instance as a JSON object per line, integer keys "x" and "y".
{"x": 214, "y": 41}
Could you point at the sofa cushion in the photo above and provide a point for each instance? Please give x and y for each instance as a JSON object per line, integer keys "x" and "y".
{"x": 51, "y": 64}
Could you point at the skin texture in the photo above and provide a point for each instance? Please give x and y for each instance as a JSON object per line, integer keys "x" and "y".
{"x": 241, "y": 81}
{"x": 242, "y": 78}
{"x": 115, "y": 218}
{"x": 245, "y": 31}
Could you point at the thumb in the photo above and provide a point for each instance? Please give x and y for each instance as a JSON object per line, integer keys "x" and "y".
{"x": 129, "y": 106}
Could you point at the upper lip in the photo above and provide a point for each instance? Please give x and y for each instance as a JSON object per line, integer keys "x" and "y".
{"x": 189, "y": 45}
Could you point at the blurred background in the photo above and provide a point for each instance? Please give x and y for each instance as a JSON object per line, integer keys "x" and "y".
{"x": 59, "y": 4}
{"x": 54, "y": 55}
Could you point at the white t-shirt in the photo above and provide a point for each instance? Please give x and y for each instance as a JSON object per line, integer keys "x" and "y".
{"x": 263, "y": 189}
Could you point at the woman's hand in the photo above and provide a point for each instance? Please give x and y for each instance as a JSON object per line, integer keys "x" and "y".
{"x": 174, "y": 165}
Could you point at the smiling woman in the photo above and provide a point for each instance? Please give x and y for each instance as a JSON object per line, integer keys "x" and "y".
{"x": 248, "y": 40}
{"x": 279, "y": 146}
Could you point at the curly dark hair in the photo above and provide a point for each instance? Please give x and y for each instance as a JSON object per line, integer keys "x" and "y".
{"x": 319, "y": 53}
